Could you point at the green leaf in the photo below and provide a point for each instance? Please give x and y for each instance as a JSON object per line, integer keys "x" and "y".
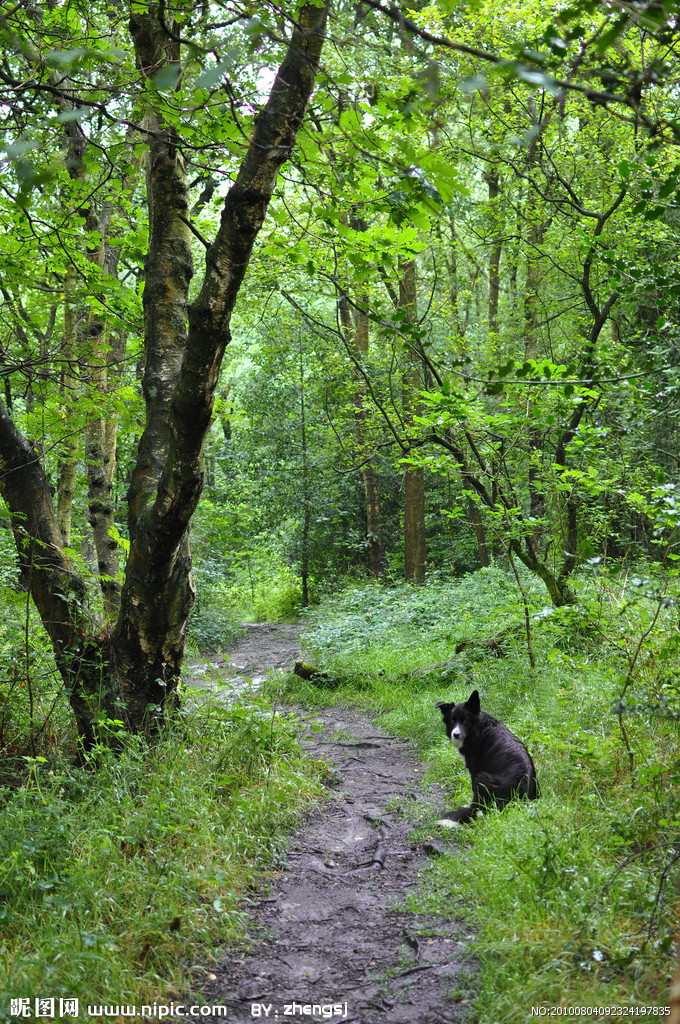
{"x": 166, "y": 79}
{"x": 669, "y": 186}
{"x": 65, "y": 56}
{"x": 70, "y": 115}
{"x": 507, "y": 368}
{"x": 612, "y": 34}
{"x": 537, "y": 78}
{"x": 443, "y": 177}
{"x": 475, "y": 83}
{"x": 208, "y": 78}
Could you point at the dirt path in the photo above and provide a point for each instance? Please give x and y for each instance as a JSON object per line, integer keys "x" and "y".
{"x": 264, "y": 647}
{"x": 333, "y": 940}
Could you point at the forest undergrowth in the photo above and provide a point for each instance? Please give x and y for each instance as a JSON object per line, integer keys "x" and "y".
{"x": 121, "y": 878}
{"x": 572, "y": 897}
{"x": 126, "y": 873}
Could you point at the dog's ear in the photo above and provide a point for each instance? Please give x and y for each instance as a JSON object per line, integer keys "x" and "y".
{"x": 443, "y": 707}
{"x": 472, "y": 703}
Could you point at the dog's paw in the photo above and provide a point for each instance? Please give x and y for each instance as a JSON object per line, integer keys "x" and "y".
{"x": 448, "y": 823}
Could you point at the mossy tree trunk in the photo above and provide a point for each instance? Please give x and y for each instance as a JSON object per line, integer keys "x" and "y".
{"x": 131, "y": 673}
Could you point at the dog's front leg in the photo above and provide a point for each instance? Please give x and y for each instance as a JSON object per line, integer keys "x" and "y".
{"x": 461, "y": 816}
{"x": 465, "y": 814}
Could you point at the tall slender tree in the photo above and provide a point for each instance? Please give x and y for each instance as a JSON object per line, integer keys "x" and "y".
{"x": 415, "y": 546}
{"x": 354, "y": 318}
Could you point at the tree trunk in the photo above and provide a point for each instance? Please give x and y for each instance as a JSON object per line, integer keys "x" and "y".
{"x": 90, "y": 346}
{"x": 459, "y": 328}
{"x": 68, "y": 462}
{"x": 100, "y": 455}
{"x": 415, "y": 551}
{"x": 480, "y": 533}
{"x": 74, "y": 144}
{"x": 306, "y": 495}
{"x": 456, "y": 320}
{"x": 369, "y": 476}
{"x": 536, "y": 232}
{"x": 369, "y": 479}
{"x": 355, "y": 325}
{"x": 56, "y": 587}
{"x": 131, "y": 674}
{"x": 493, "y": 183}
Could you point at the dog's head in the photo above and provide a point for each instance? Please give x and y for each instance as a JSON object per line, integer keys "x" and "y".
{"x": 459, "y": 718}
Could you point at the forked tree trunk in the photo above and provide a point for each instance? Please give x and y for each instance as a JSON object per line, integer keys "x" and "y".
{"x": 182, "y": 370}
{"x": 132, "y": 673}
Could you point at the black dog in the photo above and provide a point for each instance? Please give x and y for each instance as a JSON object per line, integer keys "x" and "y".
{"x": 500, "y": 765}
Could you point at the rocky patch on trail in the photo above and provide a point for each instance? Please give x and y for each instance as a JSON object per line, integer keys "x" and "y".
{"x": 333, "y": 940}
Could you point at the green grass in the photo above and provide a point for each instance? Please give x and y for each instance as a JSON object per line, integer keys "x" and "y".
{"x": 571, "y": 897}
{"x": 116, "y": 878}
{"x": 122, "y": 877}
